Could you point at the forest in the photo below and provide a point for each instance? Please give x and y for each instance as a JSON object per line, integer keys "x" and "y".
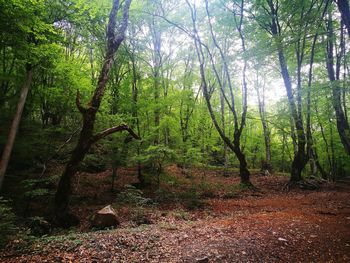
{"x": 174, "y": 131}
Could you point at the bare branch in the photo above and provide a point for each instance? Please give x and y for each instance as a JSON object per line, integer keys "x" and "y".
{"x": 183, "y": 29}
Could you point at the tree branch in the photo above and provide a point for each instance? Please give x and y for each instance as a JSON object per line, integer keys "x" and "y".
{"x": 122, "y": 127}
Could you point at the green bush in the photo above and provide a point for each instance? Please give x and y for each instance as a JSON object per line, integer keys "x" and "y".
{"x": 7, "y": 222}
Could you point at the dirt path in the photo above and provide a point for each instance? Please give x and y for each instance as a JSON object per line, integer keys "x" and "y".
{"x": 273, "y": 227}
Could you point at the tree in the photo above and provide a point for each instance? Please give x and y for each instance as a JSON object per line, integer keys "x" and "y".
{"x": 15, "y": 124}
{"x": 343, "y": 6}
{"x": 87, "y": 138}
{"x": 260, "y": 90}
{"x": 279, "y": 27}
{"x": 28, "y": 40}
{"x": 334, "y": 77}
{"x": 201, "y": 48}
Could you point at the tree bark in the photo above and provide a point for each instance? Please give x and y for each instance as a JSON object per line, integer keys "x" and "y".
{"x": 343, "y": 6}
{"x": 5, "y": 158}
{"x": 62, "y": 198}
{"x": 333, "y": 75}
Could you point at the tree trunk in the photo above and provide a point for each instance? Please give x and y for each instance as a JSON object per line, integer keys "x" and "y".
{"x": 64, "y": 190}
{"x": 266, "y": 165}
{"x": 343, "y": 6}
{"x": 243, "y": 167}
{"x": 15, "y": 124}
{"x": 222, "y": 108}
{"x": 311, "y": 150}
{"x": 87, "y": 138}
{"x": 300, "y": 157}
{"x": 283, "y": 151}
{"x": 333, "y": 75}
{"x": 135, "y": 92}
{"x": 333, "y": 161}
{"x": 238, "y": 128}
{"x": 157, "y": 60}
{"x": 235, "y": 145}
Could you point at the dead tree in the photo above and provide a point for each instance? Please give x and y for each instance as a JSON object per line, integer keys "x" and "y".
{"x": 87, "y": 137}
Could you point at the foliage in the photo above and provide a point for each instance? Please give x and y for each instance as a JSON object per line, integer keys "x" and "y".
{"x": 132, "y": 196}
{"x": 155, "y": 87}
{"x": 157, "y": 154}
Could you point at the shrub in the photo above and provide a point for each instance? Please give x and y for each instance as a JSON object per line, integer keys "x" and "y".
{"x": 7, "y": 222}
{"x": 133, "y": 196}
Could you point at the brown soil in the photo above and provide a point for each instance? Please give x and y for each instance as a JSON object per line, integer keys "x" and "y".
{"x": 269, "y": 225}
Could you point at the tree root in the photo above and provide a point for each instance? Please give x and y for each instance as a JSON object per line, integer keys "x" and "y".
{"x": 303, "y": 184}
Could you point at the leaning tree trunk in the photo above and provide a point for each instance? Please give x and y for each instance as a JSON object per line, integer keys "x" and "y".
{"x": 5, "y": 158}
{"x": 87, "y": 136}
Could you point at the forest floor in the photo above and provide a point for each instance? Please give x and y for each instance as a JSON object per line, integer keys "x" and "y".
{"x": 265, "y": 225}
